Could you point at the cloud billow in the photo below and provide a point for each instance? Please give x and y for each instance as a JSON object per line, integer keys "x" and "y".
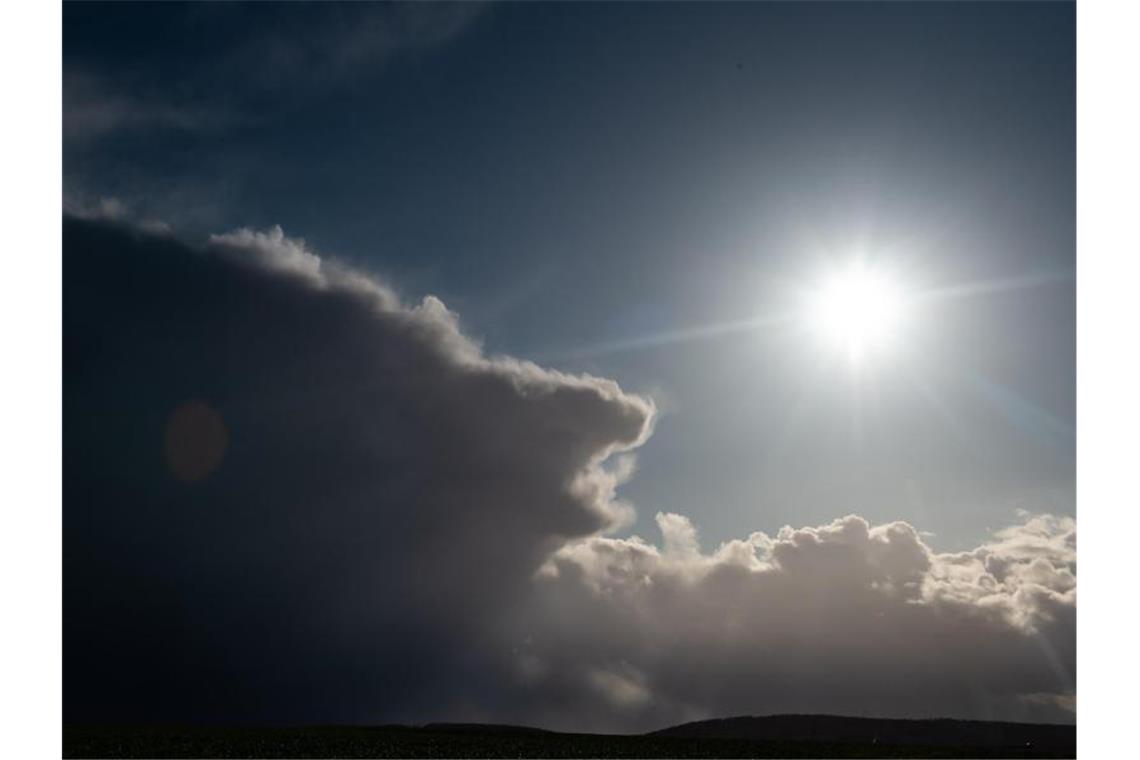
{"x": 383, "y": 482}
{"x": 846, "y": 618}
{"x": 399, "y": 527}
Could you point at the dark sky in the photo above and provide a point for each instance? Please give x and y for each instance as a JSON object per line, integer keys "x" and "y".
{"x": 600, "y": 188}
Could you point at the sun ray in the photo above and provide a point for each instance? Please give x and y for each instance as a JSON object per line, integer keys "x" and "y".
{"x": 834, "y": 318}
{"x": 1026, "y": 416}
{"x": 667, "y": 338}
{"x": 987, "y": 287}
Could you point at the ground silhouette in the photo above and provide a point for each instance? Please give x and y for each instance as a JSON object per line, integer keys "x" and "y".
{"x": 769, "y": 736}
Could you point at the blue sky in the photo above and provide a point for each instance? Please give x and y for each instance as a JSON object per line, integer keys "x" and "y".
{"x": 574, "y": 175}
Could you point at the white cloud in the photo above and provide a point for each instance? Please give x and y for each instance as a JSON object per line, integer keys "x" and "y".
{"x": 844, "y": 617}
{"x": 273, "y": 250}
{"x": 111, "y": 209}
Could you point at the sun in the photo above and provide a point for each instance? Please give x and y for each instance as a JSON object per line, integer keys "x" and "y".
{"x": 858, "y": 310}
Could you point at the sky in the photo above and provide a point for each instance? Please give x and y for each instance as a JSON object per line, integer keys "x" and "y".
{"x": 388, "y": 327}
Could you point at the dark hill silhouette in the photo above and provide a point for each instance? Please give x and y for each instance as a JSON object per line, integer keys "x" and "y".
{"x": 836, "y": 728}
{"x": 773, "y": 736}
{"x": 483, "y": 728}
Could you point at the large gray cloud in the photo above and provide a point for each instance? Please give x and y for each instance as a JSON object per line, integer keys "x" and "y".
{"x": 290, "y": 496}
{"x": 384, "y": 487}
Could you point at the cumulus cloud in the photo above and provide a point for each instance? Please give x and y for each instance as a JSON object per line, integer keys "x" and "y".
{"x": 847, "y": 617}
{"x": 273, "y": 250}
{"x": 400, "y": 527}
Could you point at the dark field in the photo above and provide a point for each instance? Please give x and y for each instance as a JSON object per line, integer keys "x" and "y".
{"x": 395, "y": 741}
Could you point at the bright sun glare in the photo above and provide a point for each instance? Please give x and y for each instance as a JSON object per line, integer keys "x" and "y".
{"x": 859, "y": 310}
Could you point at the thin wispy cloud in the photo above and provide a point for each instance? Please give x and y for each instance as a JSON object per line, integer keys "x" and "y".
{"x": 281, "y": 57}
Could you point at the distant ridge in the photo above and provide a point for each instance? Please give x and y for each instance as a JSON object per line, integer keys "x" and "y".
{"x": 836, "y": 728}
{"x": 483, "y": 728}
{"x": 775, "y": 736}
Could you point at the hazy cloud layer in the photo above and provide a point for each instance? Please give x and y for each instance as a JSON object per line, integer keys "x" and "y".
{"x": 279, "y": 54}
{"x": 394, "y": 526}
{"x": 94, "y": 107}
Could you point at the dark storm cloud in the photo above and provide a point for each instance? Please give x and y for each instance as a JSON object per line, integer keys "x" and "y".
{"x": 385, "y": 489}
{"x": 363, "y": 518}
